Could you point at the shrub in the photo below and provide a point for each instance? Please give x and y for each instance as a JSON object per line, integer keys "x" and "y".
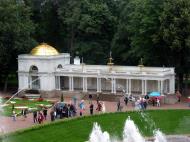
{"x": 24, "y": 98}
{"x": 40, "y": 99}
{"x": 7, "y": 97}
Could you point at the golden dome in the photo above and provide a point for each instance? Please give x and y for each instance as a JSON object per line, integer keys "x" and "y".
{"x": 44, "y": 50}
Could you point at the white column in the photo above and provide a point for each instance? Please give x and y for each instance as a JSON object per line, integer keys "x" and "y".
{"x": 172, "y": 84}
{"x": 112, "y": 91}
{"x": 70, "y": 84}
{"x": 29, "y": 82}
{"x": 159, "y": 86}
{"x": 129, "y": 86}
{"x": 168, "y": 86}
{"x": 100, "y": 84}
{"x": 145, "y": 87}
{"x": 59, "y": 83}
{"x": 142, "y": 87}
{"x": 86, "y": 84}
{"x": 55, "y": 82}
{"x": 114, "y": 86}
{"x": 166, "y": 83}
{"x": 97, "y": 85}
{"x": 162, "y": 88}
{"x": 83, "y": 85}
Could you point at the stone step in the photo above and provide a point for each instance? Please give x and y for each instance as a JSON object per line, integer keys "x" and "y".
{"x": 32, "y": 96}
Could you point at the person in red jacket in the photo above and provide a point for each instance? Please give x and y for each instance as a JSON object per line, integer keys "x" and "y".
{"x": 40, "y": 118}
{"x": 99, "y": 107}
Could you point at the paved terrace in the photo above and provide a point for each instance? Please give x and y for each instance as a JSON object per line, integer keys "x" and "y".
{"x": 9, "y": 126}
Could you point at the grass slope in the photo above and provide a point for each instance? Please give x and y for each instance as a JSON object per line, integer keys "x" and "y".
{"x": 78, "y": 130}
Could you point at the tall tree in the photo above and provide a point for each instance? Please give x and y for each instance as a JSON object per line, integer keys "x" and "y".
{"x": 90, "y": 28}
{"x": 16, "y": 30}
{"x": 175, "y": 33}
{"x": 138, "y": 24}
{"x": 45, "y": 16}
{"x": 158, "y": 31}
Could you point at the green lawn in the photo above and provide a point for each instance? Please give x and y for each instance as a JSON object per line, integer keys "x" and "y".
{"x": 78, "y": 130}
{"x": 7, "y": 110}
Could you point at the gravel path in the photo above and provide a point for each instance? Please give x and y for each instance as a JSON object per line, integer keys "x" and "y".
{"x": 7, "y": 125}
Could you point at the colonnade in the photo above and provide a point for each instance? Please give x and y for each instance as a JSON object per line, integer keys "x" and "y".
{"x": 169, "y": 85}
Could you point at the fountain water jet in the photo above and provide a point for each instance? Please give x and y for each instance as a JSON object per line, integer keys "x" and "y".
{"x": 98, "y": 136}
{"x": 130, "y": 134}
{"x": 159, "y": 136}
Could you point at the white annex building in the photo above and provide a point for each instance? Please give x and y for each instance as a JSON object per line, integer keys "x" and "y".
{"x": 46, "y": 69}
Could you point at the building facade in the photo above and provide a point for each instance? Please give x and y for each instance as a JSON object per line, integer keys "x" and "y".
{"x": 45, "y": 69}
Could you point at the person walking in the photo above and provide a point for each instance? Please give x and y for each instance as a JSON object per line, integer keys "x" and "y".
{"x": 35, "y": 119}
{"x": 118, "y": 105}
{"x": 158, "y": 102}
{"x": 45, "y": 113}
{"x": 90, "y": 99}
{"x": 126, "y": 100}
{"x": 14, "y": 115}
{"x": 72, "y": 110}
{"x": 82, "y": 107}
{"x": 52, "y": 115}
{"x": 40, "y": 118}
{"x": 97, "y": 97}
{"x": 99, "y": 107}
{"x": 178, "y": 95}
{"x": 91, "y": 108}
{"x": 74, "y": 98}
{"x": 25, "y": 113}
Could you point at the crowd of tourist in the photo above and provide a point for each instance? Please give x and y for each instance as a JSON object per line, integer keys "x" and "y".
{"x": 139, "y": 103}
{"x": 62, "y": 110}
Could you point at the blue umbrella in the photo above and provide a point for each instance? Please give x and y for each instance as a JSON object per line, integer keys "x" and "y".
{"x": 154, "y": 94}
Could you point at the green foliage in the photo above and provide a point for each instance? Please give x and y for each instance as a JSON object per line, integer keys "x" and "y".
{"x": 156, "y": 30}
{"x": 78, "y": 130}
{"x": 90, "y": 27}
{"x": 175, "y": 32}
{"x": 139, "y": 22}
{"x": 16, "y": 30}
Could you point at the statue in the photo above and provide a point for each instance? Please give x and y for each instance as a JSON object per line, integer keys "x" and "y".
{"x": 141, "y": 63}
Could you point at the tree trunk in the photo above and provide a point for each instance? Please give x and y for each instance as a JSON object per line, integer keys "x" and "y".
{"x": 6, "y": 83}
{"x": 180, "y": 82}
{"x": 72, "y": 43}
{"x": 186, "y": 85}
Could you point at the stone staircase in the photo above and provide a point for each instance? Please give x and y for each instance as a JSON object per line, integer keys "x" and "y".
{"x": 32, "y": 96}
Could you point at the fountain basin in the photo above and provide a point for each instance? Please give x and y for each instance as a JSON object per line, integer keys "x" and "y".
{"x": 173, "y": 138}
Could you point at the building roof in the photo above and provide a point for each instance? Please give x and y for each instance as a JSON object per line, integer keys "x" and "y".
{"x": 119, "y": 71}
{"x": 44, "y": 50}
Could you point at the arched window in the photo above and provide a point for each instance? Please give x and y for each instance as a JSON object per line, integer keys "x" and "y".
{"x": 59, "y": 66}
{"x": 33, "y": 69}
{"x": 34, "y": 81}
